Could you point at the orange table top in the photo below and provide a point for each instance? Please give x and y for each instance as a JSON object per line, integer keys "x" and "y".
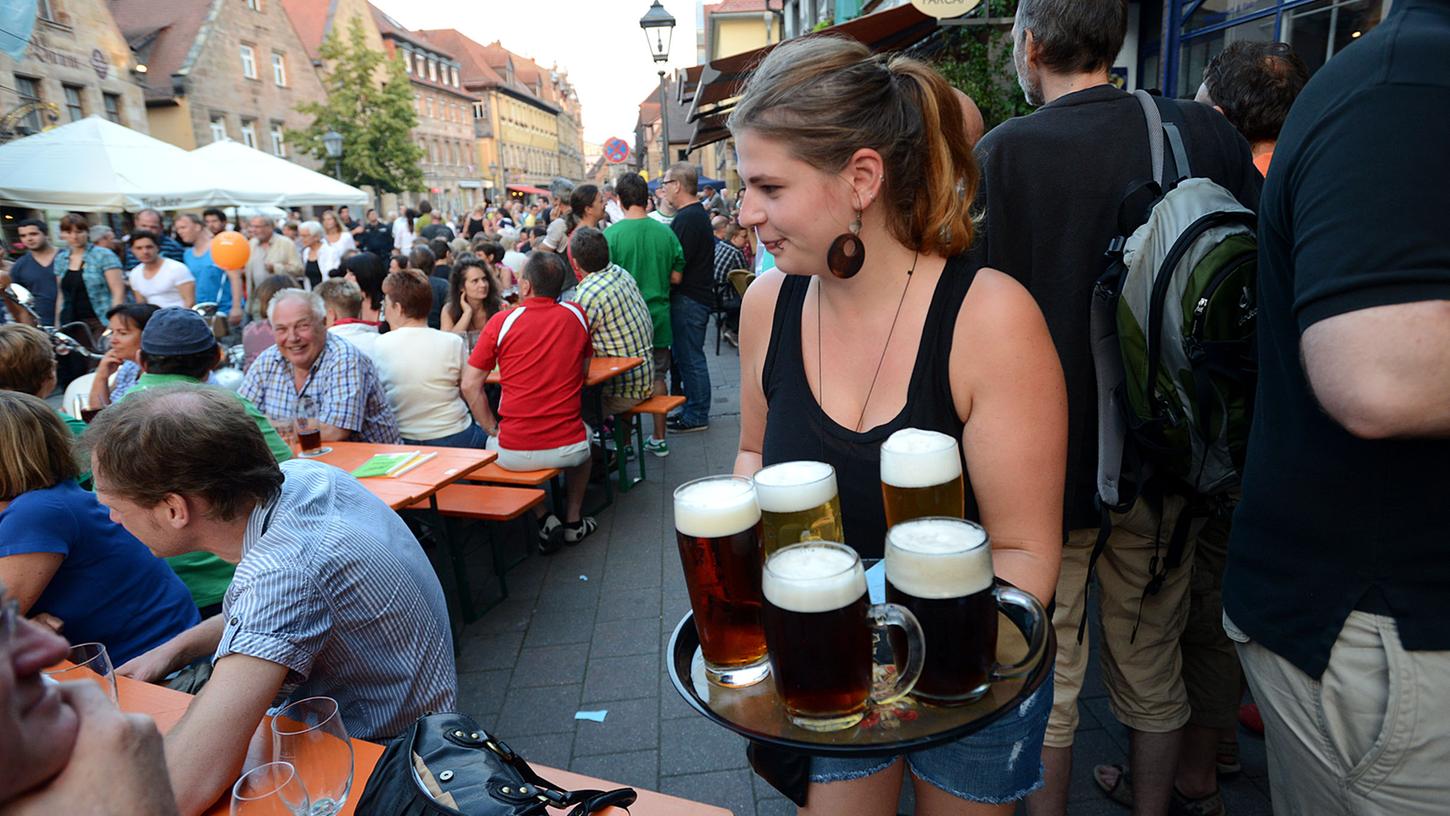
{"x": 166, "y": 707}
{"x": 447, "y": 466}
{"x": 601, "y": 369}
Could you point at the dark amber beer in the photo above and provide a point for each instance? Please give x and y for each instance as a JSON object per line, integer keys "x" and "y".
{"x": 819, "y": 628}
{"x": 798, "y": 502}
{"x": 717, "y": 526}
{"x": 921, "y": 475}
{"x": 941, "y": 569}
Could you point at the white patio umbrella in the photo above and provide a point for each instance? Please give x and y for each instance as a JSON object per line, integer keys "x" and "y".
{"x": 95, "y": 165}
{"x": 296, "y": 185}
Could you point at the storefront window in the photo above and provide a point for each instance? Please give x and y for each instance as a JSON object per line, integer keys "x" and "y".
{"x": 1211, "y": 12}
{"x": 1322, "y": 29}
{"x": 1195, "y": 53}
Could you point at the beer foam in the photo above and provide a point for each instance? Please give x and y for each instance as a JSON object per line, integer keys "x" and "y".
{"x": 713, "y": 508}
{"x": 790, "y": 487}
{"x": 813, "y": 578}
{"x": 938, "y": 558}
{"x": 916, "y": 458}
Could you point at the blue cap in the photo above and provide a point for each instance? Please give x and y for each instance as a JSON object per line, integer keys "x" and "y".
{"x": 175, "y": 331}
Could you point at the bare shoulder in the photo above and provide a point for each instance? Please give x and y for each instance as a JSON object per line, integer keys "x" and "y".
{"x": 997, "y": 302}
{"x": 763, "y": 291}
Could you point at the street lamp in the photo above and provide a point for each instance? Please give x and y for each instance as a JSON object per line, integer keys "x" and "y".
{"x": 332, "y": 143}
{"x": 659, "y": 28}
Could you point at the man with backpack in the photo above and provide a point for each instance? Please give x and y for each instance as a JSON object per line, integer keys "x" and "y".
{"x": 1055, "y": 194}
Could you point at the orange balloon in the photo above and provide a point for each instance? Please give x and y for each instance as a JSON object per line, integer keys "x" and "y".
{"x": 229, "y": 250}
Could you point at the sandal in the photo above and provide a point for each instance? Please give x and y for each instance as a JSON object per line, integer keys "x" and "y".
{"x": 551, "y": 535}
{"x": 1121, "y": 791}
{"x": 1227, "y": 758}
{"x": 1210, "y": 805}
{"x": 575, "y": 533}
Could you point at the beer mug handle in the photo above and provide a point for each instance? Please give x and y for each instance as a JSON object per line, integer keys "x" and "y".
{"x": 890, "y": 614}
{"x": 1036, "y": 637}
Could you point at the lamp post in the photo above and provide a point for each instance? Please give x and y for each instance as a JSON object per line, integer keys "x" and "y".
{"x": 659, "y": 28}
{"x": 332, "y": 143}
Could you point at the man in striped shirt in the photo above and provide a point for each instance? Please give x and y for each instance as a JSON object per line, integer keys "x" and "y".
{"x": 332, "y": 596}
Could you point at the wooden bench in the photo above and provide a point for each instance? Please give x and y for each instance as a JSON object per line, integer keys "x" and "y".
{"x": 633, "y": 420}
{"x": 491, "y": 504}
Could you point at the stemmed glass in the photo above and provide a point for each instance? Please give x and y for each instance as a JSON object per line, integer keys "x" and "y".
{"x": 91, "y": 663}
{"x": 273, "y": 789}
{"x": 309, "y": 733}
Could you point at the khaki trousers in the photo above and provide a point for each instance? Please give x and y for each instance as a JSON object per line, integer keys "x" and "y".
{"x": 1369, "y": 738}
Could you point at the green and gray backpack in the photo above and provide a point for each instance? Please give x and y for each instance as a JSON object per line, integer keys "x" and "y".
{"x": 1173, "y": 334}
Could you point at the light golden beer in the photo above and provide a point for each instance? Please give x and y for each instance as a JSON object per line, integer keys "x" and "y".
{"x": 798, "y": 502}
{"x": 717, "y": 527}
{"x": 921, "y": 475}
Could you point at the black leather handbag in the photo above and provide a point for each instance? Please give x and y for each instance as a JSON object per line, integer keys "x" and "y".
{"x": 445, "y": 765}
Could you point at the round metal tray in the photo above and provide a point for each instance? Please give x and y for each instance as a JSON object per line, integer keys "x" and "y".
{"x": 755, "y": 712}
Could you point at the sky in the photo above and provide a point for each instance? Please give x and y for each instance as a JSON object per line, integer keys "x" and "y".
{"x": 599, "y": 42}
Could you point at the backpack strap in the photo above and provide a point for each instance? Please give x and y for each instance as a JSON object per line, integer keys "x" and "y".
{"x": 1155, "y": 133}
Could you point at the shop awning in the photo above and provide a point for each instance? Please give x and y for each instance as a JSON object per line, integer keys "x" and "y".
{"x": 527, "y": 189}
{"x": 720, "y": 82}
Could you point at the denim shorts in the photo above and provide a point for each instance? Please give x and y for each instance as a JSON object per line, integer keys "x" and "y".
{"x": 1001, "y": 763}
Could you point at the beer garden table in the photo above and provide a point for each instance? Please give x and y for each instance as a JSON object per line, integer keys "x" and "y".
{"x": 601, "y": 371}
{"x": 166, "y": 707}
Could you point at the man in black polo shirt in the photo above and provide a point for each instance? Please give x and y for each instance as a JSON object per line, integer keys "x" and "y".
{"x": 1051, "y": 187}
{"x": 693, "y": 298}
{"x": 1338, "y": 584}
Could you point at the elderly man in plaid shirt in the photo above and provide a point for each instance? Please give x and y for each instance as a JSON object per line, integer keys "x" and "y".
{"x": 313, "y": 372}
{"x": 619, "y": 320}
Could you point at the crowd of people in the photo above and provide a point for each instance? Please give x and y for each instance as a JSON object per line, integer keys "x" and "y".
{"x": 950, "y": 274}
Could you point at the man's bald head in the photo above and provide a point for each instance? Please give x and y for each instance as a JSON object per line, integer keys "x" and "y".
{"x": 971, "y": 118}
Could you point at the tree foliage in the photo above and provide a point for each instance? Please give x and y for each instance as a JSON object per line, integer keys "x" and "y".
{"x": 978, "y": 60}
{"x": 374, "y": 118}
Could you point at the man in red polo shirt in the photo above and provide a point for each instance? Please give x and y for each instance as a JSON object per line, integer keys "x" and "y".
{"x": 541, "y": 348}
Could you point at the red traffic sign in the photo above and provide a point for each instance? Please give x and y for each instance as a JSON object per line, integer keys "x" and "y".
{"x": 616, "y": 150}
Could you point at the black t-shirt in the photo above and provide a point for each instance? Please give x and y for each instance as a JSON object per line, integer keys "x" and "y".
{"x": 1353, "y": 217}
{"x": 77, "y": 303}
{"x": 692, "y": 227}
{"x": 377, "y": 239}
{"x": 1052, "y": 183}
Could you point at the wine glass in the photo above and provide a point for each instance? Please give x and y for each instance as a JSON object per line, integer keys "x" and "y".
{"x": 273, "y": 789}
{"x": 309, "y": 733}
{"x": 90, "y": 662}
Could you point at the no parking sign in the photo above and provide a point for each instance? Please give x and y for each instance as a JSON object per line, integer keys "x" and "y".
{"x": 616, "y": 150}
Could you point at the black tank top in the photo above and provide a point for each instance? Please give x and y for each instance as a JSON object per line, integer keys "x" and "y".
{"x": 797, "y": 428}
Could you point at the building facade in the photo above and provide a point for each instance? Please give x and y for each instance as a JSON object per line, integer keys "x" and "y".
{"x": 451, "y": 178}
{"x": 78, "y": 64}
{"x": 221, "y": 69}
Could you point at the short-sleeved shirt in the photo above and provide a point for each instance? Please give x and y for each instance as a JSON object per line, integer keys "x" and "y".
{"x": 206, "y": 576}
{"x": 692, "y": 226}
{"x": 1331, "y": 522}
{"x": 333, "y": 586}
{"x": 212, "y": 284}
{"x": 41, "y": 282}
{"x": 650, "y": 251}
{"x": 170, "y": 248}
{"x": 343, "y": 385}
{"x": 161, "y": 289}
{"x": 125, "y": 379}
{"x": 539, "y": 347}
{"x": 619, "y": 326}
{"x": 109, "y": 588}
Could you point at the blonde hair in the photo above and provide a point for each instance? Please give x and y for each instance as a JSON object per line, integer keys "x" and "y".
{"x": 36, "y": 451}
{"x": 826, "y": 97}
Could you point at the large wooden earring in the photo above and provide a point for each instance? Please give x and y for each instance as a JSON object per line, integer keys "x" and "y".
{"x": 847, "y": 254}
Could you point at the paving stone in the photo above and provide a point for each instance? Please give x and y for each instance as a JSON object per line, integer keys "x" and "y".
{"x": 489, "y": 651}
{"x": 512, "y": 615}
{"x": 638, "y": 769}
{"x": 775, "y": 807}
{"x": 551, "y": 666}
{"x": 541, "y": 710}
{"x": 637, "y": 603}
{"x": 631, "y": 725}
{"x": 568, "y": 597}
{"x": 727, "y": 789}
{"x": 556, "y": 628}
{"x": 1103, "y": 713}
{"x": 1095, "y": 747}
{"x": 628, "y": 636}
{"x": 621, "y": 678}
{"x": 483, "y": 692}
{"x": 699, "y": 746}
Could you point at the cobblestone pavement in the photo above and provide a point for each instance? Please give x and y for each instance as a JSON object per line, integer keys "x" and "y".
{"x": 561, "y": 643}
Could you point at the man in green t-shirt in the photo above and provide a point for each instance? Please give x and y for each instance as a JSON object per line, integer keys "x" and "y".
{"x": 654, "y": 257}
{"x": 180, "y": 348}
